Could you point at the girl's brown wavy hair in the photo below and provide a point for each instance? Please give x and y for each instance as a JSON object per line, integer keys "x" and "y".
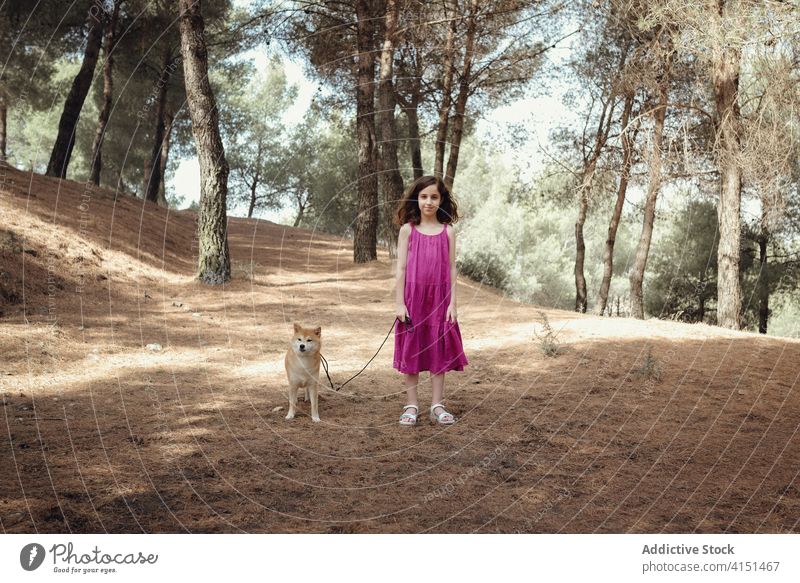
{"x": 408, "y": 208}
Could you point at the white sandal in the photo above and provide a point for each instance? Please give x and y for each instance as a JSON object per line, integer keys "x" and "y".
{"x": 409, "y": 418}
{"x": 443, "y": 418}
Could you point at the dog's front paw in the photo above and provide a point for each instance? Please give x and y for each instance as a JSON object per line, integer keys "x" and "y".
{"x": 315, "y": 419}
{"x": 289, "y": 416}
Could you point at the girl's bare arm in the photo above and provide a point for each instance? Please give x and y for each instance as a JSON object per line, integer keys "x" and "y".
{"x": 451, "y": 236}
{"x": 400, "y": 277}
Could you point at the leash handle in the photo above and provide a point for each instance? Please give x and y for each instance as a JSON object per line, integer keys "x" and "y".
{"x": 325, "y": 362}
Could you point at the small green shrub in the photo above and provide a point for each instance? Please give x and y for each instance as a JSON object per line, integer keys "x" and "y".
{"x": 650, "y": 367}
{"x": 484, "y": 268}
{"x": 548, "y": 339}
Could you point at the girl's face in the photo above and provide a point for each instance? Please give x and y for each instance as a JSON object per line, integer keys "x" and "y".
{"x": 429, "y": 200}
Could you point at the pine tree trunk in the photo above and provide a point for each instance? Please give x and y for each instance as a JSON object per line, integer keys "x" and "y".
{"x": 152, "y": 181}
{"x": 580, "y": 252}
{"x": 256, "y": 178}
{"x": 726, "y": 69}
{"x": 412, "y": 113}
{"x": 414, "y": 140}
{"x": 447, "y": 85}
{"x": 213, "y": 256}
{"x": 410, "y": 107}
{"x": 366, "y": 222}
{"x": 252, "y": 206}
{"x": 146, "y": 171}
{"x": 763, "y": 282}
{"x": 299, "y": 216}
{"x": 590, "y": 165}
{"x": 3, "y": 128}
{"x": 67, "y": 125}
{"x": 463, "y": 95}
{"x": 653, "y": 188}
{"x": 391, "y": 180}
{"x": 108, "y": 86}
{"x": 162, "y": 190}
{"x": 625, "y": 173}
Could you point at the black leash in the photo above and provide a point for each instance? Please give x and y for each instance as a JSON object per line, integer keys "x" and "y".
{"x": 325, "y": 362}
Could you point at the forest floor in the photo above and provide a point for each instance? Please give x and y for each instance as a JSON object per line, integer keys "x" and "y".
{"x": 635, "y": 426}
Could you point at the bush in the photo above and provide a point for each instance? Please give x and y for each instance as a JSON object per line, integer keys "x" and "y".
{"x": 485, "y": 268}
{"x": 548, "y": 339}
{"x": 650, "y": 367}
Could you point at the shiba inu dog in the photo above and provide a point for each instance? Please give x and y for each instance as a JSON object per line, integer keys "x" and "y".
{"x": 302, "y": 368}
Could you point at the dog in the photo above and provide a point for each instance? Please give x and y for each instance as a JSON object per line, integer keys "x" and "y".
{"x": 302, "y": 368}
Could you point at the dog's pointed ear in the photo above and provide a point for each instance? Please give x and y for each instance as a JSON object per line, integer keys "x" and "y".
{"x": 318, "y": 331}
{"x": 296, "y": 327}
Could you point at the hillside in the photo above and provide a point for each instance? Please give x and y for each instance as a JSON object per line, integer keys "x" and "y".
{"x": 100, "y": 433}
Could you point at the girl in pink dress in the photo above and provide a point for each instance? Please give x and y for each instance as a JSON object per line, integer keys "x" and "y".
{"x": 426, "y": 294}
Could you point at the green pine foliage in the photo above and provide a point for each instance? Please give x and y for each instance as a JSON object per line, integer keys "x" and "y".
{"x": 681, "y": 278}
{"x": 520, "y": 237}
{"x": 255, "y": 135}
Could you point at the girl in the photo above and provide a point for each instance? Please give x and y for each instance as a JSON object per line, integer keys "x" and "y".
{"x": 426, "y": 293}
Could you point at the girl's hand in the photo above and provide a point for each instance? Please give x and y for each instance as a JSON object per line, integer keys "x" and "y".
{"x": 451, "y": 314}
{"x": 401, "y": 312}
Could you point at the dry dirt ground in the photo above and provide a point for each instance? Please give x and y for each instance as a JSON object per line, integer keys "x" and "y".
{"x": 98, "y": 433}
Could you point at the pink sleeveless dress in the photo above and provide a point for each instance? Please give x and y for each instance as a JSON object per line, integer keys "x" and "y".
{"x": 430, "y": 343}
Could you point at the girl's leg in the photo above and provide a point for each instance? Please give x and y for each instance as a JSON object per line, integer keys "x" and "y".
{"x": 412, "y": 381}
{"x": 438, "y": 394}
{"x": 437, "y": 380}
